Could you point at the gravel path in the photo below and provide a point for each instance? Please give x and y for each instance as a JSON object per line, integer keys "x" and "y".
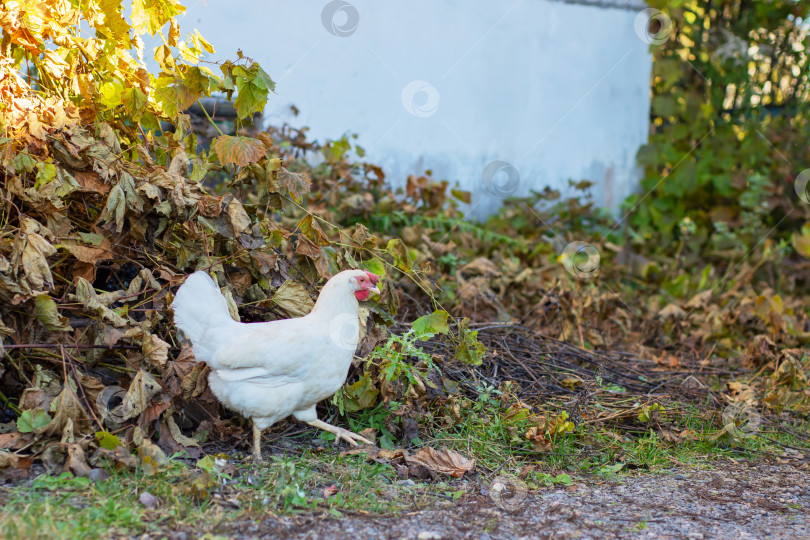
{"x": 764, "y": 501}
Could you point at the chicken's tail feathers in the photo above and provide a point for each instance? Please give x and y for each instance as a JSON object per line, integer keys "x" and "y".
{"x": 198, "y": 305}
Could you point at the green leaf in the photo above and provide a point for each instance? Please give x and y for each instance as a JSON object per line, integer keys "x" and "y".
{"x": 45, "y": 173}
{"x": 31, "y": 420}
{"x": 463, "y": 196}
{"x": 199, "y": 81}
{"x": 375, "y": 266}
{"x": 249, "y": 100}
{"x": 468, "y": 348}
{"x": 665, "y": 105}
{"x": 108, "y": 440}
{"x": 253, "y": 87}
{"x": 647, "y": 412}
{"x": 428, "y": 326}
{"x": 361, "y": 394}
{"x": 611, "y": 468}
{"x": 48, "y": 315}
{"x": 238, "y": 150}
{"x": 111, "y": 94}
{"x": 262, "y": 79}
{"x": 23, "y": 162}
{"x": 402, "y": 259}
{"x": 91, "y": 238}
{"x": 563, "y": 479}
{"x": 135, "y": 102}
{"x": 199, "y": 169}
{"x": 208, "y": 464}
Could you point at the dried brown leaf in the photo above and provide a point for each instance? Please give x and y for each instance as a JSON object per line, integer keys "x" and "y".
{"x": 155, "y": 349}
{"x": 76, "y": 461}
{"x": 153, "y": 459}
{"x": 671, "y": 312}
{"x": 443, "y": 461}
{"x": 10, "y": 440}
{"x": 87, "y": 296}
{"x": 178, "y": 435}
{"x": 69, "y": 414}
{"x": 239, "y": 219}
{"x": 8, "y": 459}
{"x": 293, "y": 298}
{"x": 295, "y": 185}
{"x": 209, "y": 206}
{"x": 31, "y": 252}
{"x": 138, "y": 397}
{"x": 90, "y": 181}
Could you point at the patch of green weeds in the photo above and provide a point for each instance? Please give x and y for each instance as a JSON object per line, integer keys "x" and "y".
{"x": 195, "y": 498}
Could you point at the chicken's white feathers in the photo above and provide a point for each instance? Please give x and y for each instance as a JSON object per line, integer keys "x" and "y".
{"x": 199, "y": 305}
{"x": 269, "y": 370}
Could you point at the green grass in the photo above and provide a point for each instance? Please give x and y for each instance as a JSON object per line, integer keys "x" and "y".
{"x": 68, "y": 507}
{"x": 213, "y": 502}
{"x": 499, "y": 443}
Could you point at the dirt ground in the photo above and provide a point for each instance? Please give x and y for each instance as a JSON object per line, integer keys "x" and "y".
{"x": 738, "y": 501}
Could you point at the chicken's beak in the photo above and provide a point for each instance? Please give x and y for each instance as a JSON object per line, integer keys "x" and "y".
{"x": 374, "y": 290}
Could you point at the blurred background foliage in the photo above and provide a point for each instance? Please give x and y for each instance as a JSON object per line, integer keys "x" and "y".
{"x": 729, "y": 129}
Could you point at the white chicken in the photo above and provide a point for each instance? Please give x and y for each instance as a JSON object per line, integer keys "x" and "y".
{"x": 271, "y": 370}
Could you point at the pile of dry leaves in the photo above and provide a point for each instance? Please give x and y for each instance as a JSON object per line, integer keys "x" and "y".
{"x": 104, "y": 212}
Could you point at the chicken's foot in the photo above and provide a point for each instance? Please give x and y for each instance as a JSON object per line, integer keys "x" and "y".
{"x": 257, "y": 444}
{"x": 340, "y": 433}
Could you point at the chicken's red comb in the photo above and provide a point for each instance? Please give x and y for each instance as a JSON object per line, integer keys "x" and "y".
{"x": 373, "y": 277}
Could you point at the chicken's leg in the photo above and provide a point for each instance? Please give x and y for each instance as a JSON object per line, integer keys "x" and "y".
{"x": 257, "y": 444}
{"x": 340, "y": 433}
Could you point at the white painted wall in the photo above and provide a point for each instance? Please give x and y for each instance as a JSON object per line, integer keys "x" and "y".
{"x": 559, "y": 91}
